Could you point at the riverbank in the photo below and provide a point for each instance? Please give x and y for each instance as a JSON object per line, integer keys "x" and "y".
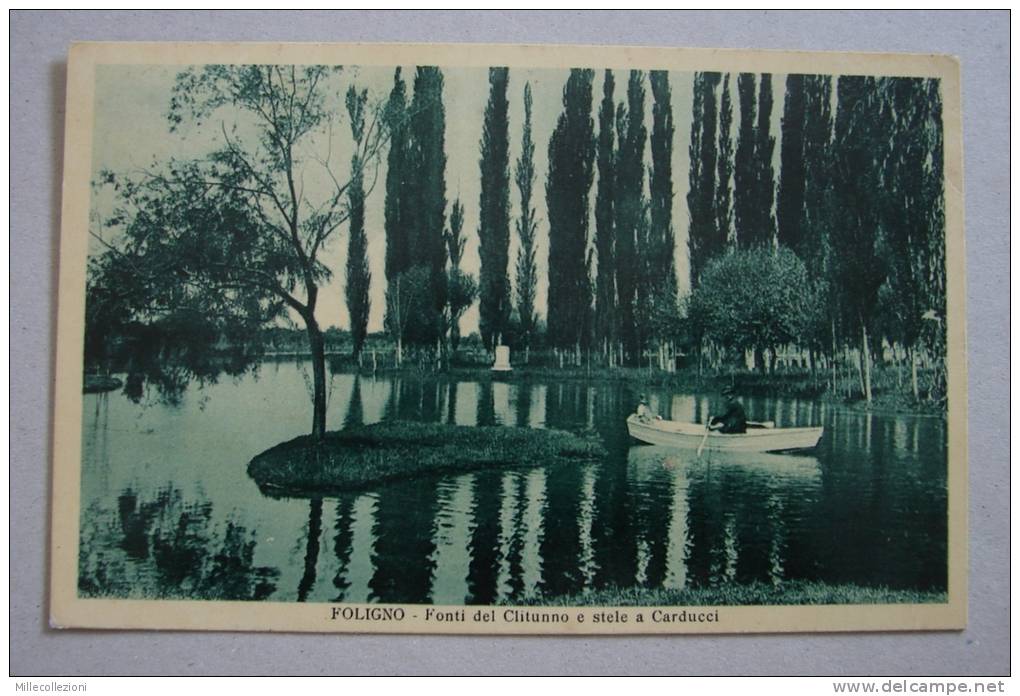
{"x": 796, "y": 592}
{"x": 363, "y": 456}
{"x": 887, "y": 396}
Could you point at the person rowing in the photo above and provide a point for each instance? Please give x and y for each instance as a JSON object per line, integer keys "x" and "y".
{"x": 644, "y": 413}
{"x": 734, "y": 420}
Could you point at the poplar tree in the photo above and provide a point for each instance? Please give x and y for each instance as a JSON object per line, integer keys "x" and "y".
{"x": 763, "y": 232}
{"x": 859, "y": 268}
{"x": 661, "y": 254}
{"x": 568, "y": 184}
{"x": 395, "y": 223}
{"x": 816, "y": 213}
{"x": 395, "y": 226}
{"x": 811, "y": 239}
{"x": 461, "y": 287}
{"x": 425, "y": 214}
{"x": 659, "y": 262}
{"x": 494, "y": 213}
{"x": 703, "y": 239}
{"x": 724, "y": 169}
{"x": 605, "y": 242}
{"x": 744, "y": 171}
{"x": 792, "y": 183}
{"x": 629, "y": 209}
{"x": 912, "y": 224}
{"x": 527, "y": 267}
{"x": 359, "y": 278}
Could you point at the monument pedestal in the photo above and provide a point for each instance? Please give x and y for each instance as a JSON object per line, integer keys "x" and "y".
{"x": 502, "y": 363}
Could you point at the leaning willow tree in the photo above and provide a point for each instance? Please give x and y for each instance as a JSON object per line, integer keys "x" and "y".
{"x": 239, "y": 233}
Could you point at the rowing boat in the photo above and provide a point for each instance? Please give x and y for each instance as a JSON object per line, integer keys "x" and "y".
{"x": 691, "y": 435}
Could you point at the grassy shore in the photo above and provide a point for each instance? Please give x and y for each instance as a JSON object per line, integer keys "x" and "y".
{"x": 889, "y": 396}
{"x": 362, "y": 456}
{"x": 796, "y": 592}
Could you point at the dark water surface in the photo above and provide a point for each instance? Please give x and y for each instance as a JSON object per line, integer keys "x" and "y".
{"x": 168, "y": 509}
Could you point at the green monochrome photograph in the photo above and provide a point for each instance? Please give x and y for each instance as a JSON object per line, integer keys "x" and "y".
{"x": 509, "y": 339}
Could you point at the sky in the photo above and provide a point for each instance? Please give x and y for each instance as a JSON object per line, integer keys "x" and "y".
{"x": 131, "y": 133}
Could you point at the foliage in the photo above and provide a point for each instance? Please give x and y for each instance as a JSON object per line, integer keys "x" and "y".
{"x": 752, "y": 299}
{"x": 461, "y": 292}
{"x": 805, "y": 207}
{"x": 494, "y": 213}
{"x": 407, "y": 297}
{"x": 745, "y": 213}
{"x": 605, "y": 232}
{"x": 397, "y": 207}
{"x": 454, "y": 234}
{"x": 704, "y": 240}
{"x": 527, "y": 265}
{"x": 569, "y": 180}
{"x": 763, "y": 232}
{"x": 425, "y": 189}
{"x": 629, "y": 208}
{"x": 912, "y": 224}
{"x": 658, "y": 249}
{"x": 232, "y": 235}
{"x": 724, "y": 168}
{"x": 461, "y": 288}
{"x": 359, "y": 279}
{"x": 754, "y": 180}
{"x": 858, "y": 267}
{"x": 792, "y": 180}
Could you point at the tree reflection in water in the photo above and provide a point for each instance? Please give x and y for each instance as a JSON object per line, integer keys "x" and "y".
{"x": 168, "y": 547}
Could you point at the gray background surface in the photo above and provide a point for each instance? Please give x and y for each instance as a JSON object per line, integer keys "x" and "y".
{"x": 39, "y": 43}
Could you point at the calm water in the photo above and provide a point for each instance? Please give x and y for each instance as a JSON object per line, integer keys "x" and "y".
{"x": 168, "y": 508}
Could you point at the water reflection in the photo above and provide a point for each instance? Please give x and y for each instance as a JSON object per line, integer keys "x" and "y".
{"x": 166, "y": 547}
{"x": 311, "y": 548}
{"x": 868, "y": 508}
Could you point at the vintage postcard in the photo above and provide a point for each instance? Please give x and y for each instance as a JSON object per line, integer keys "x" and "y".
{"x": 510, "y": 339}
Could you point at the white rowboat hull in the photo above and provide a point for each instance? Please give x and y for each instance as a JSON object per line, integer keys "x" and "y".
{"x": 691, "y": 435}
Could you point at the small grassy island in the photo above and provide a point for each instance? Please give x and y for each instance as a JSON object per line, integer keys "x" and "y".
{"x": 361, "y": 456}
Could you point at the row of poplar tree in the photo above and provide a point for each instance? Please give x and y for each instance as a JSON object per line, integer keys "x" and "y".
{"x": 587, "y": 306}
{"x": 856, "y": 207}
{"x": 859, "y": 203}
{"x": 426, "y": 291}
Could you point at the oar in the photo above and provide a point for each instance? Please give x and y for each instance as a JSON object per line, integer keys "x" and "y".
{"x": 703, "y": 441}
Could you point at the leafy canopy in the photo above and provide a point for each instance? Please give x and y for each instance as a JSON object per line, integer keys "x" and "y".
{"x": 753, "y": 298}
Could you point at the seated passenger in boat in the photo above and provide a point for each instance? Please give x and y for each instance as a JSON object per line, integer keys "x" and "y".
{"x": 644, "y": 413}
{"x": 734, "y": 420}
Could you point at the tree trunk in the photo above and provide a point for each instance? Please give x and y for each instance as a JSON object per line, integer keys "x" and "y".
{"x": 866, "y": 362}
{"x": 318, "y": 347}
{"x": 833, "y": 356}
{"x": 913, "y": 373}
{"x": 759, "y": 360}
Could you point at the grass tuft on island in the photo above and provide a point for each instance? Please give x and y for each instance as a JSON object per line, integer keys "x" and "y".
{"x": 793, "y": 592}
{"x": 361, "y": 456}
